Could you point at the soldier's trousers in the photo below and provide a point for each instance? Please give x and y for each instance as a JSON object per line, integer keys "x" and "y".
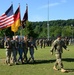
{"x": 25, "y": 53}
{"x": 20, "y": 50}
{"x": 31, "y": 53}
{"x": 58, "y": 60}
{"x": 14, "y": 54}
{"x": 8, "y": 55}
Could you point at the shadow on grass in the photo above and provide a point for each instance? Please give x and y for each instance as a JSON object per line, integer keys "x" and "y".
{"x": 68, "y": 59}
{"x": 41, "y": 62}
{"x": 50, "y": 61}
{"x": 44, "y": 61}
{"x": 70, "y": 70}
{"x": 53, "y": 60}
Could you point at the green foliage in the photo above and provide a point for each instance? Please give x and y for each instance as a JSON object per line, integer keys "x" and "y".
{"x": 6, "y": 32}
{"x": 39, "y": 29}
{"x": 66, "y": 31}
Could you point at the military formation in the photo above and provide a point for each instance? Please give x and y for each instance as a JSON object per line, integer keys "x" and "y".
{"x": 18, "y": 46}
{"x": 17, "y": 49}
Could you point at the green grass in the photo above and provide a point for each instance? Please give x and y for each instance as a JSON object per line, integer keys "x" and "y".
{"x": 43, "y": 66}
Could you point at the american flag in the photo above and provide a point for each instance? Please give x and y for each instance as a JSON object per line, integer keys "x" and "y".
{"x": 7, "y": 19}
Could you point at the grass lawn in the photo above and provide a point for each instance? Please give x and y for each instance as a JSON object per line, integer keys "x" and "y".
{"x": 43, "y": 66}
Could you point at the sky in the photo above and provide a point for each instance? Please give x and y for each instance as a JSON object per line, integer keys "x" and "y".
{"x": 41, "y": 10}
{"x": 61, "y": 9}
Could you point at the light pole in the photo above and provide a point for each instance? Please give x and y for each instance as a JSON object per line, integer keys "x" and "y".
{"x": 48, "y": 22}
{"x": 72, "y": 31}
{"x": 47, "y": 30}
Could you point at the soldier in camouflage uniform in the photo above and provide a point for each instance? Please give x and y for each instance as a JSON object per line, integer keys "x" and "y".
{"x": 20, "y": 50}
{"x": 14, "y": 49}
{"x": 8, "y": 47}
{"x": 25, "y": 50}
{"x": 41, "y": 43}
{"x": 57, "y": 45}
{"x": 32, "y": 45}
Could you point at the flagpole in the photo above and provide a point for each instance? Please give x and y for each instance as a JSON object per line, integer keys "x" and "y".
{"x": 13, "y": 12}
{"x": 48, "y": 22}
{"x": 20, "y": 23}
{"x": 25, "y": 19}
{"x": 14, "y": 33}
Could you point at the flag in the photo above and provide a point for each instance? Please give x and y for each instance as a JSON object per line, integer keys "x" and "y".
{"x": 25, "y": 18}
{"x": 17, "y": 20}
{"x": 7, "y": 19}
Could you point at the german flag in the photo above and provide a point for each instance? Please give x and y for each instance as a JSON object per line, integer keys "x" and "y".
{"x": 17, "y": 20}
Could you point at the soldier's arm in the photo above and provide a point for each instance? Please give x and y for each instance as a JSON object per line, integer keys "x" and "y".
{"x": 5, "y": 44}
{"x": 53, "y": 47}
{"x": 64, "y": 46}
{"x": 51, "y": 50}
{"x": 35, "y": 46}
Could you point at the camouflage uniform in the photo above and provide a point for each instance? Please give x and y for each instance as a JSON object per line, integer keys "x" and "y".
{"x": 31, "y": 48}
{"x": 41, "y": 43}
{"x": 20, "y": 50}
{"x": 57, "y": 45}
{"x": 14, "y": 51}
{"x": 25, "y": 50}
{"x": 8, "y": 47}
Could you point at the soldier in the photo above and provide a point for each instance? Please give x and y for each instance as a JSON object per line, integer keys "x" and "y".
{"x": 57, "y": 45}
{"x": 37, "y": 42}
{"x": 8, "y": 47}
{"x": 2, "y": 43}
{"x": 44, "y": 43}
{"x": 31, "y": 48}
{"x": 14, "y": 49}
{"x": 41, "y": 43}
{"x": 50, "y": 42}
{"x": 20, "y": 50}
{"x": 66, "y": 41}
{"x": 25, "y": 50}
